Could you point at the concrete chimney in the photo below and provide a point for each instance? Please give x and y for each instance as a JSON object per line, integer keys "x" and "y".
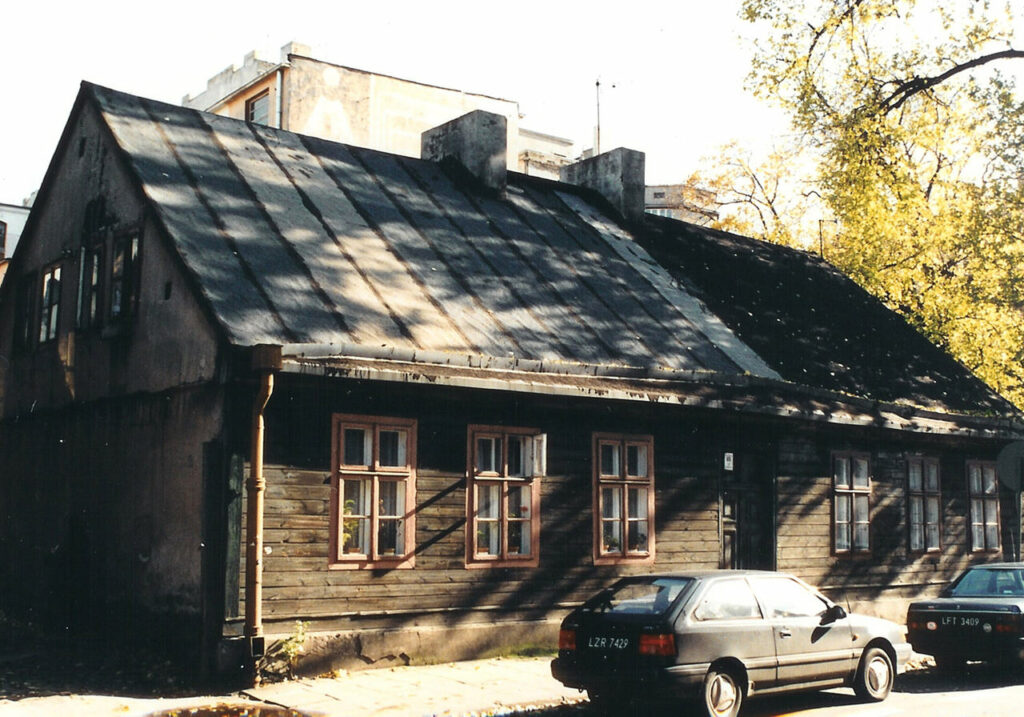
{"x": 617, "y": 175}
{"x": 477, "y": 141}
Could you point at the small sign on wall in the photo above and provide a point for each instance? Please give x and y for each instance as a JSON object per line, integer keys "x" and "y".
{"x": 727, "y": 462}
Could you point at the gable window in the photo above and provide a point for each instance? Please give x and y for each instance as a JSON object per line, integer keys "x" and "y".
{"x": 49, "y": 305}
{"x": 124, "y": 277}
{"x": 257, "y": 108}
{"x": 983, "y": 491}
{"x": 851, "y": 488}
{"x": 923, "y": 499}
{"x": 623, "y": 498}
{"x": 373, "y": 492}
{"x": 89, "y": 288}
{"x": 503, "y": 496}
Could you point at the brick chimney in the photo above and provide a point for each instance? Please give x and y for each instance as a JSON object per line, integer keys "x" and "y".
{"x": 477, "y": 141}
{"x": 617, "y": 175}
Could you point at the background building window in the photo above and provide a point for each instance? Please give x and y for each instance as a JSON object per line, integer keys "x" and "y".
{"x": 49, "y": 305}
{"x": 624, "y": 498}
{"x": 851, "y": 481}
{"x": 983, "y": 490}
{"x": 374, "y": 482}
{"x": 924, "y": 503}
{"x": 503, "y": 497}
{"x": 3, "y": 239}
{"x": 257, "y": 108}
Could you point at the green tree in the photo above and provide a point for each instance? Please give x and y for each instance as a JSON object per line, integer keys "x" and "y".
{"x": 914, "y": 142}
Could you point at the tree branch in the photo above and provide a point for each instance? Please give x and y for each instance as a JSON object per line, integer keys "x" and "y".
{"x": 907, "y": 89}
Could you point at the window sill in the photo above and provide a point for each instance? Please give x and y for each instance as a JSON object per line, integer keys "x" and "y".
{"x": 647, "y": 559}
{"x": 363, "y": 563}
{"x": 484, "y": 564}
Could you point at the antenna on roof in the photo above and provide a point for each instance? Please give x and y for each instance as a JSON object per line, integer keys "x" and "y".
{"x": 597, "y": 129}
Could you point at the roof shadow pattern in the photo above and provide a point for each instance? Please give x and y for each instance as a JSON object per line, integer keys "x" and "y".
{"x": 293, "y": 239}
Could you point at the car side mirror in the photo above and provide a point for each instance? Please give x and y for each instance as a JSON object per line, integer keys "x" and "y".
{"x": 834, "y": 613}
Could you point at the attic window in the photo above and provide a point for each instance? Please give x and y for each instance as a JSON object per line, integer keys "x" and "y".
{"x": 49, "y": 307}
{"x": 124, "y": 277}
{"x": 257, "y": 108}
{"x": 659, "y": 195}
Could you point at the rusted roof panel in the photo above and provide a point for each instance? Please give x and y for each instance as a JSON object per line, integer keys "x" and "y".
{"x": 299, "y": 240}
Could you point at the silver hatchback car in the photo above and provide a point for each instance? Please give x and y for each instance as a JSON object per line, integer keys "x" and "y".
{"x": 721, "y": 636}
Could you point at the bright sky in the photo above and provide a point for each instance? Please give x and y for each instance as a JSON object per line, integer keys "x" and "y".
{"x": 671, "y": 71}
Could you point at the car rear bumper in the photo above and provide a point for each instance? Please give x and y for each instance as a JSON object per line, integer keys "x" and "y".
{"x": 572, "y": 673}
{"x": 992, "y": 648}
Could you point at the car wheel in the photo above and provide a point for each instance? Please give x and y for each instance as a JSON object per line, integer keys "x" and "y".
{"x": 874, "y": 675}
{"x": 723, "y": 693}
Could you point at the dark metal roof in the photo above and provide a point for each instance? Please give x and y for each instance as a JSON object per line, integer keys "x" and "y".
{"x": 814, "y": 325}
{"x": 299, "y": 240}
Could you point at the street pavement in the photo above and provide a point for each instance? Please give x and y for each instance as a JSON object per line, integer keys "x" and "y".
{"x": 481, "y": 687}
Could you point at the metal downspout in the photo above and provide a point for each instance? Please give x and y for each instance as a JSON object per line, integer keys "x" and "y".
{"x": 265, "y": 361}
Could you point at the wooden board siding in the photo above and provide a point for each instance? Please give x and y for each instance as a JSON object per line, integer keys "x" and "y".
{"x": 790, "y": 463}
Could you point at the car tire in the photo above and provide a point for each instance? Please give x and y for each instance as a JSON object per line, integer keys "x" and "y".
{"x": 723, "y": 692}
{"x": 875, "y": 675}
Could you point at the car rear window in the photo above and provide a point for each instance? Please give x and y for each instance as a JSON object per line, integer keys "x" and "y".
{"x": 989, "y": 582}
{"x": 639, "y": 597}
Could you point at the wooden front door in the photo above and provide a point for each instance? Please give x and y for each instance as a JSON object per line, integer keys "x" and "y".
{"x": 747, "y": 513}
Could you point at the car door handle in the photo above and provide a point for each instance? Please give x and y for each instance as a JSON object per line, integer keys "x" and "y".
{"x": 785, "y": 633}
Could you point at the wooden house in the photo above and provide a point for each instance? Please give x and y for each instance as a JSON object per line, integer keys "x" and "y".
{"x": 426, "y": 405}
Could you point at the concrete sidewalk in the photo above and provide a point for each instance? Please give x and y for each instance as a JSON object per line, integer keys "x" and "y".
{"x": 497, "y": 686}
{"x": 482, "y": 687}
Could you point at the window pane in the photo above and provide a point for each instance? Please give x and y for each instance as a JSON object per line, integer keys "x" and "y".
{"x": 917, "y": 537}
{"x": 992, "y": 512}
{"x": 933, "y": 537}
{"x": 488, "y": 500}
{"x": 518, "y": 456}
{"x": 842, "y": 470}
{"x": 916, "y": 511}
{"x": 611, "y": 502}
{"x": 861, "y": 509}
{"x": 636, "y": 461}
{"x": 974, "y": 479}
{"x": 842, "y": 508}
{"x": 391, "y": 498}
{"x": 932, "y": 510}
{"x": 843, "y": 536}
{"x": 390, "y": 537}
{"x": 861, "y": 539}
{"x": 637, "y": 503}
{"x": 611, "y": 536}
{"x": 488, "y": 540}
{"x": 991, "y": 537}
{"x": 860, "y": 473}
{"x": 931, "y": 477}
{"x": 488, "y": 454}
{"x": 637, "y": 541}
{"x": 519, "y": 502}
{"x": 610, "y": 465}
{"x": 915, "y": 478}
{"x": 356, "y": 529}
{"x": 392, "y": 448}
{"x": 991, "y": 485}
{"x": 519, "y": 537}
{"x": 356, "y": 451}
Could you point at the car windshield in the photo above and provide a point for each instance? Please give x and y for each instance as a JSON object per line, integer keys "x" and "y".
{"x": 639, "y": 597}
{"x": 989, "y": 582}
